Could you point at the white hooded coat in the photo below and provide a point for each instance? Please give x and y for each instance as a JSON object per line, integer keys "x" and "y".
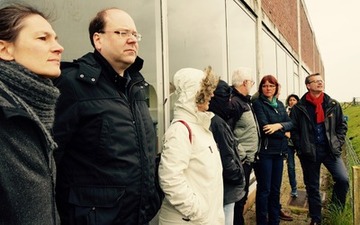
{"x": 190, "y": 173}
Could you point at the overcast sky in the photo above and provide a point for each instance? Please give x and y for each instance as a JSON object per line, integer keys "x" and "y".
{"x": 337, "y": 29}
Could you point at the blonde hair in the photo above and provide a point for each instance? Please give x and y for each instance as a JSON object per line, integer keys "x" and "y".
{"x": 208, "y": 86}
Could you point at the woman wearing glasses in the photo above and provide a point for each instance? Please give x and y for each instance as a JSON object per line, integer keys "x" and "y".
{"x": 273, "y": 122}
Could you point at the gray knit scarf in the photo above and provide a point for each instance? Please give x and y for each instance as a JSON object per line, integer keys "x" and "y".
{"x": 35, "y": 94}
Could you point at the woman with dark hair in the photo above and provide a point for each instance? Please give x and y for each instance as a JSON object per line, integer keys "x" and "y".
{"x": 273, "y": 122}
{"x": 291, "y": 100}
{"x": 29, "y": 55}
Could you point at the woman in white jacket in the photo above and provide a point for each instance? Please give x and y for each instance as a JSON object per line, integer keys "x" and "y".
{"x": 190, "y": 169}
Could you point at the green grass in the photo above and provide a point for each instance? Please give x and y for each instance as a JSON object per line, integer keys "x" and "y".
{"x": 333, "y": 215}
{"x": 336, "y": 216}
{"x": 353, "y": 114}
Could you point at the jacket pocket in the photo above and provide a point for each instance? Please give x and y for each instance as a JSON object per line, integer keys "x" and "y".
{"x": 95, "y": 205}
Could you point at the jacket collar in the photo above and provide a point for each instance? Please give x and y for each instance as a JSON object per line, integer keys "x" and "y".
{"x": 90, "y": 69}
{"x": 245, "y": 98}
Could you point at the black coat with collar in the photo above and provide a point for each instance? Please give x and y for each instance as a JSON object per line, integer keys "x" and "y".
{"x": 303, "y": 135}
{"x": 106, "y": 138}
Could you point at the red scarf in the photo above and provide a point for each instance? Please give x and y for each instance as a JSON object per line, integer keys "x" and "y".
{"x": 317, "y": 102}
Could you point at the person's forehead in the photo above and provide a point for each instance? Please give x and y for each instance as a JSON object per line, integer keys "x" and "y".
{"x": 36, "y": 24}
{"x": 316, "y": 77}
{"x": 118, "y": 18}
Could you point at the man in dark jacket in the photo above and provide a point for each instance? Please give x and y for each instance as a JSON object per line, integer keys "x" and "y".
{"x": 106, "y": 137}
{"x": 245, "y": 127}
{"x": 318, "y": 135}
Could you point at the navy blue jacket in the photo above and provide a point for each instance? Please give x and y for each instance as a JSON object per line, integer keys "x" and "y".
{"x": 275, "y": 143}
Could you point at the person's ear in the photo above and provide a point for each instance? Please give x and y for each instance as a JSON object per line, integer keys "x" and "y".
{"x": 97, "y": 41}
{"x": 6, "y": 50}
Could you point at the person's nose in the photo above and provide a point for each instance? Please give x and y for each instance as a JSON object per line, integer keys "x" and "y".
{"x": 57, "y": 47}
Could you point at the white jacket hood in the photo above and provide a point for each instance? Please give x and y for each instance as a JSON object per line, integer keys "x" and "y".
{"x": 187, "y": 82}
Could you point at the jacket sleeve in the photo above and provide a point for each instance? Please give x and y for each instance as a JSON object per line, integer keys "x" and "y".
{"x": 236, "y": 112}
{"x": 260, "y": 115}
{"x": 287, "y": 123}
{"x": 66, "y": 115}
{"x": 232, "y": 168}
{"x": 295, "y": 137}
{"x": 341, "y": 126}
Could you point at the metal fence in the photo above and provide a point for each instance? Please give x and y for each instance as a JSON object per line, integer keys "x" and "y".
{"x": 352, "y": 159}
{"x": 356, "y": 101}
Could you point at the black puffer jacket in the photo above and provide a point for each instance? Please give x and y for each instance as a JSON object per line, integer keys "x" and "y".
{"x": 303, "y": 133}
{"x": 106, "y": 155}
{"x": 233, "y": 172}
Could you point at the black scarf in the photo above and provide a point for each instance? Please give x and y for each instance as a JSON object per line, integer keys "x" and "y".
{"x": 36, "y": 94}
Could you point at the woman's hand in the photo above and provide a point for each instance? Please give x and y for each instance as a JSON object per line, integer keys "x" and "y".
{"x": 272, "y": 128}
{"x": 287, "y": 134}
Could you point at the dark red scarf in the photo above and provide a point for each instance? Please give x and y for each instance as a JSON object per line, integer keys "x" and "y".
{"x": 317, "y": 102}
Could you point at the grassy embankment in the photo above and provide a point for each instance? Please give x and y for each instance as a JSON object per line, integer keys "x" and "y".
{"x": 335, "y": 216}
{"x": 353, "y": 114}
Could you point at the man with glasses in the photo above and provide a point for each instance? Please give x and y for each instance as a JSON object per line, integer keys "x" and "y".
{"x": 245, "y": 129}
{"x": 106, "y": 155}
{"x": 318, "y": 135}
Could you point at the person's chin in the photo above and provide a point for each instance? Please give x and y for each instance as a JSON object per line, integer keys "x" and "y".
{"x": 130, "y": 59}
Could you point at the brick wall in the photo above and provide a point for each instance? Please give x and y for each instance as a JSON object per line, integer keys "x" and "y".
{"x": 307, "y": 40}
{"x": 283, "y": 14}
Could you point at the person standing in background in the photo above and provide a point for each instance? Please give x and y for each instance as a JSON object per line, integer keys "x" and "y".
{"x": 291, "y": 100}
{"x": 318, "y": 136}
{"x": 190, "y": 170}
{"x": 245, "y": 127}
{"x": 274, "y": 122}
{"x": 233, "y": 173}
{"x": 106, "y": 137}
{"x": 29, "y": 56}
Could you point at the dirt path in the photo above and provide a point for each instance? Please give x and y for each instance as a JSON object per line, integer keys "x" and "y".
{"x": 296, "y": 209}
{"x": 299, "y": 213}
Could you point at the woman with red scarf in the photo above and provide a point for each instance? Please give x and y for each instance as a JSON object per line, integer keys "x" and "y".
{"x": 318, "y": 135}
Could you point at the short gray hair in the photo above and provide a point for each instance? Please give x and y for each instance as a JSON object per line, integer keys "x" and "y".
{"x": 240, "y": 75}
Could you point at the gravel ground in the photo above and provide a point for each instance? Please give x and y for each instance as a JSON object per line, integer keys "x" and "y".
{"x": 299, "y": 213}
